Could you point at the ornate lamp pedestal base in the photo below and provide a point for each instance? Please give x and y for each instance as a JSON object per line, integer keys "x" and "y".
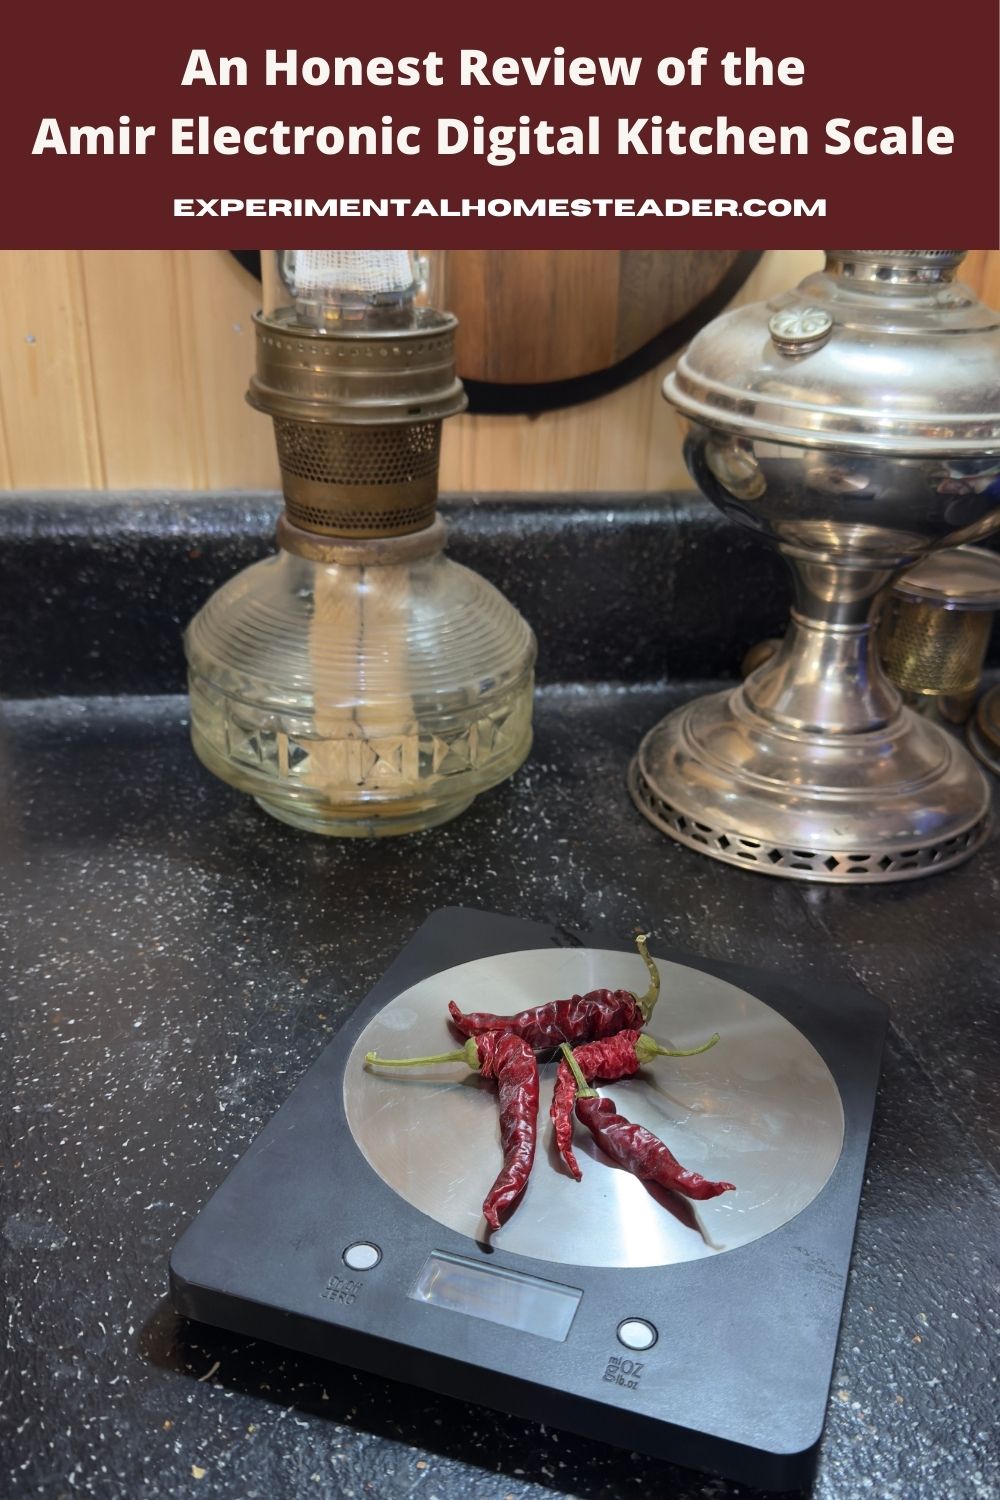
{"x": 814, "y": 770}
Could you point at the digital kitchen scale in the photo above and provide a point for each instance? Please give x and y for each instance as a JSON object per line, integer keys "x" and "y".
{"x": 703, "y": 1333}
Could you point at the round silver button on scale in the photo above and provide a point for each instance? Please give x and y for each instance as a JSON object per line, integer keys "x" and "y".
{"x": 636, "y": 1333}
{"x": 362, "y": 1256}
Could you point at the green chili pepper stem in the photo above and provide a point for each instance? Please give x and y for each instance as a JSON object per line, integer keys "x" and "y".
{"x": 468, "y": 1054}
{"x": 649, "y": 999}
{"x": 583, "y": 1089}
{"x": 647, "y": 1047}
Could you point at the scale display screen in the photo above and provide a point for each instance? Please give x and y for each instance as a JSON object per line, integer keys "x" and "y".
{"x": 500, "y": 1296}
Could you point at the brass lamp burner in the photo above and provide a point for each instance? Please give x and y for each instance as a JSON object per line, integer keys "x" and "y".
{"x": 357, "y": 420}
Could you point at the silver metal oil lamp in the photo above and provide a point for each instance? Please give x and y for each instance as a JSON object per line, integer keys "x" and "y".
{"x": 855, "y": 423}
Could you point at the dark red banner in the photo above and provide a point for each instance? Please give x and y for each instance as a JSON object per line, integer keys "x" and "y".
{"x": 513, "y": 125}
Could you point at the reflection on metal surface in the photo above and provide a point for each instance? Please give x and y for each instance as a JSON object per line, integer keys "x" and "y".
{"x": 761, "y": 1109}
{"x": 983, "y": 731}
{"x": 758, "y": 654}
{"x": 719, "y": 777}
{"x": 854, "y": 456}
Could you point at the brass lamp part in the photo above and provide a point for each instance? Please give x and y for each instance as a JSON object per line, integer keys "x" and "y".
{"x": 357, "y": 421}
{"x": 932, "y": 651}
{"x": 935, "y": 628}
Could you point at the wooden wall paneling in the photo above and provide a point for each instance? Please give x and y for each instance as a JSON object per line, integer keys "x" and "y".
{"x": 139, "y": 312}
{"x": 981, "y": 271}
{"x": 627, "y": 440}
{"x": 664, "y": 462}
{"x": 6, "y": 477}
{"x": 989, "y": 288}
{"x": 49, "y": 420}
{"x": 6, "y": 473}
{"x": 972, "y": 269}
{"x": 600, "y": 445}
{"x": 127, "y": 369}
{"x": 194, "y": 374}
{"x": 239, "y": 442}
{"x": 622, "y": 437}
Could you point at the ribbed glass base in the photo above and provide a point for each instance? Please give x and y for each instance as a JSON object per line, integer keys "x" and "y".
{"x": 350, "y": 824}
{"x": 360, "y": 701}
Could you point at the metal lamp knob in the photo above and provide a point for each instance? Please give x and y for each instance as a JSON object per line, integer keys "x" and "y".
{"x": 800, "y": 330}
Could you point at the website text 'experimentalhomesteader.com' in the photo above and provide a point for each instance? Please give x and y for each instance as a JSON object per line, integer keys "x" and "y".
{"x": 499, "y": 208}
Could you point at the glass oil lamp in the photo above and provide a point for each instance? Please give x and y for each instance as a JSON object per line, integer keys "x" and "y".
{"x": 358, "y": 682}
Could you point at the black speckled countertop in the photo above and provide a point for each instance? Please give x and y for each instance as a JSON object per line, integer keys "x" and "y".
{"x": 174, "y": 960}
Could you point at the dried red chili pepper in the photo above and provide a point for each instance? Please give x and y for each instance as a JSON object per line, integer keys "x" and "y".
{"x": 582, "y": 1018}
{"x": 605, "y": 1061}
{"x": 634, "y": 1147}
{"x": 510, "y": 1061}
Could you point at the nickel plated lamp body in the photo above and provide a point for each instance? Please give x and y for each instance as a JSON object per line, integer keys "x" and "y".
{"x": 855, "y": 423}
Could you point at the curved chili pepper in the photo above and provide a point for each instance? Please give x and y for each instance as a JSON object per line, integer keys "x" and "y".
{"x": 605, "y": 1062}
{"x": 582, "y": 1018}
{"x": 634, "y": 1147}
{"x": 510, "y": 1061}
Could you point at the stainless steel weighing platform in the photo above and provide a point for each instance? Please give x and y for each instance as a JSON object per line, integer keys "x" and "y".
{"x": 704, "y": 1333}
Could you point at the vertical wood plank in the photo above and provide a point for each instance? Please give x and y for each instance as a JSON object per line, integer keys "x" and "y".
{"x": 664, "y": 469}
{"x": 49, "y": 420}
{"x": 238, "y": 441}
{"x": 6, "y": 473}
{"x": 143, "y": 378}
{"x": 973, "y": 269}
{"x": 192, "y": 395}
{"x": 990, "y": 290}
{"x": 85, "y": 373}
{"x": 981, "y": 271}
{"x": 600, "y": 445}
